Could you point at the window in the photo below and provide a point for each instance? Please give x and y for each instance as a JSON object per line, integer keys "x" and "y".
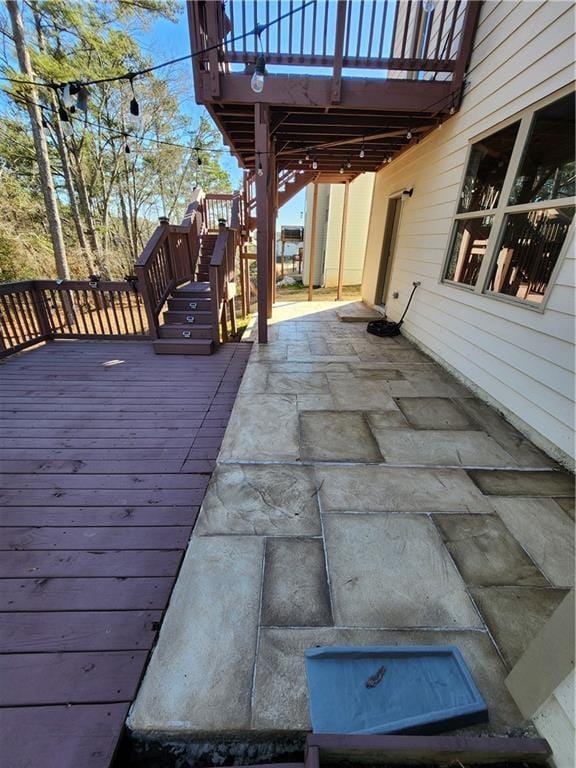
{"x": 516, "y": 206}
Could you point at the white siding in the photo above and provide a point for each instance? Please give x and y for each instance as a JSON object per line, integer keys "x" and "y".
{"x": 320, "y": 234}
{"x": 521, "y": 359}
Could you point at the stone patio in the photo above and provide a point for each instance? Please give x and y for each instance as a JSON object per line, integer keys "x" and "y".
{"x": 362, "y": 496}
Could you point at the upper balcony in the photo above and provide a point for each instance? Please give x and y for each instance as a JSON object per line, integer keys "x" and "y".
{"x": 342, "y": 75}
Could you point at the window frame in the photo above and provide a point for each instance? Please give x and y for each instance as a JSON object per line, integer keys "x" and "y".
{"x": 525, "y": 118}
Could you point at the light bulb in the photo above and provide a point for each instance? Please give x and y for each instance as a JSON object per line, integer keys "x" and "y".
{"x": 257, "y": 81}
{"x": 260, "y": 171}
{"x": 68, "y": 95}
{"x": 429, "y": 6}
{"x": 389, "y": 159}
{"x": 134, "y": 116}
{"x": 127, "y": 149}
{"x": 408, "y": 134}
{"x": 299, "y": 161}
{"x": 348, "y": 164}
{"x": 82, "y": 99}
{"x": 301, "y": 171}
{"x": 314, "y": 165}
{"x": 307, "y": 156}
{"x": 452, "y": 109}
{"x": 362, "y": 153}
{"x": 341, "y": 169}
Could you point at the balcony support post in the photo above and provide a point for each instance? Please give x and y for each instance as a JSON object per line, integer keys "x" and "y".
{"x": 342, "y": 242}
{"x": 263, "y": 205}
{"x": 312, "y": 243}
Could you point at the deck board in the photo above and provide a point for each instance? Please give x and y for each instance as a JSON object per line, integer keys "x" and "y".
{"x": 106, "y": 454}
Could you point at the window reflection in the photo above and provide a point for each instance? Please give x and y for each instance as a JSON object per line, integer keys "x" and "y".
{"x": 486, "y": 171}
{"x": 547, "y": 168}
{"x": 528, "y": 252}
{"x": 468, "y": 249}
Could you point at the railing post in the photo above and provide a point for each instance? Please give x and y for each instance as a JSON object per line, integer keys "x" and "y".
{"x": 41, "y": 313}
{"x": 143, "y": 285}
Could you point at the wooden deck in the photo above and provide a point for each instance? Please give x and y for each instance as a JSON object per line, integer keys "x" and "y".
{"x": 106, "y": 454}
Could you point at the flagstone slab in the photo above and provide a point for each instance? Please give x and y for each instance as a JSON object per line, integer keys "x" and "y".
{"x": 200, "y": 675}
{"x": 393, "y": 571}
{"x": 262, "y": 428}
{"x": 441, "y": 448}
{"x": 567, "y": 505}
{"x": 545, "y": 532}
{"x": 379, "y": 420}
{"x": 352, "y": 395}
{"x": 260, "y": 499}
{"x": 435, "y": 413}
{"x": 281, "y": 698}
{"x": 373, "y": 488}
{"x": 295, "y": 591}
{"x": 517, "y": 483}
{"x": 485, "y": 552}
{"x": 515, "y": 615}
{"x": 337, "y": 435}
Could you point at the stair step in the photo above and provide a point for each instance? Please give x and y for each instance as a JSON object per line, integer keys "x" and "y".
{"x": 183, "y": 346}
{"x": 197, "y": 304}
{"x": 179, "y": 318}
{"x": 177, "y": 331}
{"x": 192, "y": 290}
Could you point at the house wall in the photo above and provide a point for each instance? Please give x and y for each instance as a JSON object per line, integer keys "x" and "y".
{"x": 329, "y": 229}
{"x": 517, "y": 358}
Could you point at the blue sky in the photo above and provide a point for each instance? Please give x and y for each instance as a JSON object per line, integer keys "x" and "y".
{"x": 167, "y": 40}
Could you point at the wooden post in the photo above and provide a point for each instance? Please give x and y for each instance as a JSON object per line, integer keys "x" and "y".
{"x": 342, "y": 242}
{"x": 262, "y": 144}
{"x": 312, "y": 243}
{"x": 273, "y": 210}
{"x": 282, "y": 259}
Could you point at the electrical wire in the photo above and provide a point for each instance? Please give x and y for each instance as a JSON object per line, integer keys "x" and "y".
{"x": 258, "y": 29}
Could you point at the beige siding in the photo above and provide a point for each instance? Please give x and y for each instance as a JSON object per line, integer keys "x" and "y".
{"x": 521, "y": 359}
{"x": 329, "y": 229}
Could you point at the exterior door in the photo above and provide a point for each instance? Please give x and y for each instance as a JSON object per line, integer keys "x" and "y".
{"x": 388, "y": 247}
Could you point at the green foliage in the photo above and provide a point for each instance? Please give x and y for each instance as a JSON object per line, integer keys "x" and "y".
{"x": 120, "y": 195}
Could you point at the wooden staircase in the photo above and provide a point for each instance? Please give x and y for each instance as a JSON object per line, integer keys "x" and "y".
{"x": 187, "y": 277}
{"x": 188, "y": 327}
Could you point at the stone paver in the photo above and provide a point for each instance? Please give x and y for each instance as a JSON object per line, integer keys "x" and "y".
{"x": 516, "y": 614}
{"x": 364, "y": 488}
{"x": 334, "y": 435}
{"x": 264, "y": 499}
{"x": 485, "y": 552}
{"x": 339, "y": 513}
{"x": 545, "y": 532}
{"x": 295, "y": 592}
{"x": 200, "y": 673}
{"x": 379, "y": 564}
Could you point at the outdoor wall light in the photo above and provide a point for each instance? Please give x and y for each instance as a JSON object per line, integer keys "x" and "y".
{"x": 407, "y": 193}
{"x": 257, "y": 81}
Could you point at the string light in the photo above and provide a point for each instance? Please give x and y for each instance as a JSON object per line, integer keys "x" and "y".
{"x": 362, "y": 152}
{"x": 348, "y": 163}
{"x": 429, "y": 6}
{"x": 341, "y": 169}
{"x": 134, "y": 118}
{"x": 408, "y": 134}
{"x": 198, "y": 158}
{"x": 257, "y": 81}
{"x": 260, "y": 169}
{"x": 314, "y": 165}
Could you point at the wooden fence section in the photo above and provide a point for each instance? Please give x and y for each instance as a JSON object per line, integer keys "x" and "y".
{"x": 38, "y": 310}
{"x": 104, "y": 468}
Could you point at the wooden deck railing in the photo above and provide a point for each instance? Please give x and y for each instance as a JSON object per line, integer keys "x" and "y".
{"x": 410, "y": 36}
{"x": 223, "y": 273}
{"x": 38, "y": 310}
{"x": 169, "y": 258}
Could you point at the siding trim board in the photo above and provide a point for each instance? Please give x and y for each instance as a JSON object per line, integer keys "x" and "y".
{"x": 520, "y": 362}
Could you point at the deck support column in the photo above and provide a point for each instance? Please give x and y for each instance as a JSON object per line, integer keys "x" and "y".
{"x": 263, "y": 205}
{"x": 272, "y": 225}
{"x": 342, "y": 242}
{"x": 312, "y": 243}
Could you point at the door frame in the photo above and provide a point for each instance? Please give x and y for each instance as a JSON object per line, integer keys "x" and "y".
{"x": 389, "y": 239}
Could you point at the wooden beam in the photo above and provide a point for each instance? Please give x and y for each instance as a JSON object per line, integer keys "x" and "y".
{"x": 312, "y": 243}
{"x": 357, "y": 93}
{"x": 466, "y": 40}
{"x": 336, "y": 88}
{"x": 262, "y": 139}
{"x": 212, "y": 11}
{"x": 342, "y": 242}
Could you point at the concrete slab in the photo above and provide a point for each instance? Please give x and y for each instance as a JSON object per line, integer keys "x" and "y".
{"x": 379, "y": 420}
{"x": 295, "y": 591}
{"x": 316, "y": 403}
{"x": 434, "y": 413}
{"x": 441, "y": 448}
{"x": 405, "y": 557}
{"x": 281, "y": 699}
{"x": 336, "y": 435}
{"x": 511, "y": 483}
{"x": 200, "y": 674}
{"x": 485, "y": 552}
{"x": 263, "y": 427}
{"x": 350, "y": 395}
{"x": 296, "y": 383}
{"x": 544, "y": 531}
{"x": 526, "y": 454}
{"x": 261, "y": 499}
{"x": 390, "y": 489}
{"x": 514, "y": 615}
{"x": 567, "y": 505}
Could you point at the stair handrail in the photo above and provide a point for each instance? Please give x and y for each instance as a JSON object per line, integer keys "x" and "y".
{"x": 222, "y": 272}
{"x": 170, "y": 257}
